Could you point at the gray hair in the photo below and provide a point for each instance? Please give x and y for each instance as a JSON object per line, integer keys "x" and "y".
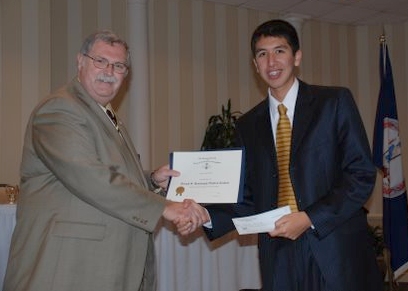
{"x": 106, "y": 36}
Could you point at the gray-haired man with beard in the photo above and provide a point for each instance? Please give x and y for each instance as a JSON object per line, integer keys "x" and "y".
{"x": 87, "y": 210}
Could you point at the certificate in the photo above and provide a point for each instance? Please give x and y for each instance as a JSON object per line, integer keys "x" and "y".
{"x": 207, "y": 176}
{"x": 263, "y": 222}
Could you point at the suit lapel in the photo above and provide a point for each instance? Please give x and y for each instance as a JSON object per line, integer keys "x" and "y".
{"x": 135, "y": 156}
{"x": 125, "y": 146}
{"x": 265, "y": 129}
{"x": 304, "y": 114}
{"x": 122, "y": 139}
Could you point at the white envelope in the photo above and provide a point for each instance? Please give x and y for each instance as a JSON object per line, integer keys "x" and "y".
{"x": 263, "y": 222}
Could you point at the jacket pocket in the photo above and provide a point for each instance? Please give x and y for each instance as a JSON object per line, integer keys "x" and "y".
{"x": 79, "y": 230}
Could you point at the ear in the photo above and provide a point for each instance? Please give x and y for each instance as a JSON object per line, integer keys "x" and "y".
{"x": 298, "y": 58}
{"x": 80, "y": 60}
{"x": 256, "y": 65}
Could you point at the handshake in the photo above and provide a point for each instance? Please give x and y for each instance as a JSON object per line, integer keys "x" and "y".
{"x": 187, "y": 216}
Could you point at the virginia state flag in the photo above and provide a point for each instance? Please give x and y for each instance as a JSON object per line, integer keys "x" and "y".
{"x": 387, "y": 157}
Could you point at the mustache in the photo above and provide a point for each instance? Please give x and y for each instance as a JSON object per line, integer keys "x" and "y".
{"x": 105, "y": 78}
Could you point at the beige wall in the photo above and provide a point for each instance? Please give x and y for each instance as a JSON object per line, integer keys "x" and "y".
{"x": 199, "y": 58}
{"x": 39, "y": 40}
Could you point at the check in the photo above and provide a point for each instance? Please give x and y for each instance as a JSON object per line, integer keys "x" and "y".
{"x": 207, "y": 176}
{"x": 263, "y": 222}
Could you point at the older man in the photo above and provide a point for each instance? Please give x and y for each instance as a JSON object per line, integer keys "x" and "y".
{"x": 87, "y": 209}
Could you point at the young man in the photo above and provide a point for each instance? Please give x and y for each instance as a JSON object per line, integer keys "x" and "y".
{"x": 323, "y": 245}
{"x": 86, "y": 211}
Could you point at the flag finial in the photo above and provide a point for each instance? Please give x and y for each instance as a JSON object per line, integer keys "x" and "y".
{"x": 382, "y": 38}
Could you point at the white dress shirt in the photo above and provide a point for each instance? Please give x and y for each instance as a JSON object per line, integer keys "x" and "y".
{"x": 289, "y": 101}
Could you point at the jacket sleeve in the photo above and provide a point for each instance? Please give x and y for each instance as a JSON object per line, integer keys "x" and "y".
{"x": 349, "y": 177}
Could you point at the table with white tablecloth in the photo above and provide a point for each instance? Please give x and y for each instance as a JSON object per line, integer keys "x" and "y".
{"x": 7, "y": 223}
{"x": 183, "y": 263}
{"x": 193, "y": 263}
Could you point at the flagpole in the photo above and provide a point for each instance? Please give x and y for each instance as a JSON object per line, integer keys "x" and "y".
{"x": 383, "y": 44}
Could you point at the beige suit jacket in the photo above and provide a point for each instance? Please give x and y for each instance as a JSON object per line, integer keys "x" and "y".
{"x": 85, "y": 214}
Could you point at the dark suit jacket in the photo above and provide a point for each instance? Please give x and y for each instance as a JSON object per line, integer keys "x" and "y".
{"x": 332, "y": 175}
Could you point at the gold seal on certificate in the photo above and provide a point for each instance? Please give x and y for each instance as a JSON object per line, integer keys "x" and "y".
{"x": 207, "y": 176}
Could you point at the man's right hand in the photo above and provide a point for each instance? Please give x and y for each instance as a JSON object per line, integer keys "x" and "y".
{"x": 186, "y": 215}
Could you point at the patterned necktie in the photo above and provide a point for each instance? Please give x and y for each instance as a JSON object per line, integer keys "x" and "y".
{"x": 112, "y": 117}
{"x": 286, "y": 195}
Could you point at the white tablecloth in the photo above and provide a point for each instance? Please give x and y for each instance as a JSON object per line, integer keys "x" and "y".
{"x": 7, "y": 223}
{"x": 195, "y": 264}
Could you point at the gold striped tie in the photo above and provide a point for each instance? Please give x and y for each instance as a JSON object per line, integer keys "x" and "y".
{"x": 286, "y": 196}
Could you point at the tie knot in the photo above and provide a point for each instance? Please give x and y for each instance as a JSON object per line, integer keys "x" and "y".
{"x": 282, "y": 109}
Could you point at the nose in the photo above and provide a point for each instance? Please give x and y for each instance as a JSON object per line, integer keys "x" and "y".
{"x": 271, "y": 59}
{"x": 109, "y": 69}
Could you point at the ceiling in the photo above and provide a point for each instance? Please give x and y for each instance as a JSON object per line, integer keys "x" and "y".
{"x": 350, "y": 12}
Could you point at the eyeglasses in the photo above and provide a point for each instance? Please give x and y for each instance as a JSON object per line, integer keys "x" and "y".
{"x": 102, "y": 63}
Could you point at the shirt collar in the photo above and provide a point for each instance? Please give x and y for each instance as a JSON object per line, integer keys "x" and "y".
{"x": 289, "y": 101}
{"x": 108, "y": 106}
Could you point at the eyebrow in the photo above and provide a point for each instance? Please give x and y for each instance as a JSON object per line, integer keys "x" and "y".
{"x": 283, "y": 46}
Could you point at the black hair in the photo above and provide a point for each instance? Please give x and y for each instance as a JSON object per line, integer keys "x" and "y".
{"x": 277, "y": 28}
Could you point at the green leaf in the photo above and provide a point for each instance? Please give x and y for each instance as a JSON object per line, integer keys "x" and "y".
{"x": 220, "y": 130}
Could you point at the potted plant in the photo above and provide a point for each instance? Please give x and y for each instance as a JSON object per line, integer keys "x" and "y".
{"x": 378, "y": 240}
{"x": 377, "y": 236}
{"x": 220, "y": 129}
